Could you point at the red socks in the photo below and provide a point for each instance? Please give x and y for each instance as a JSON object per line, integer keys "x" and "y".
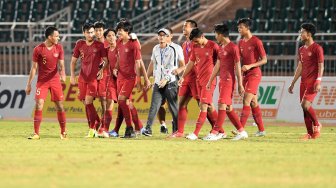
{"x": 257, "y": 115}
{"x": 244, "y": 115}
{"x": 119, "y": 120}
{"x": 182, "y": 118}
{"x": 37, "y": 121}
{"x": 235, "y": 120}
{"x": 62, "y": 121}
{"x": 212, "y": 117}
{"x": 312, "y": 115}
{"x": 92, "y": 115}
{"x": 308, "y": 122}
{"x": 200, "y": 122}
{"x": 108, "y": 119}
{"x": 220, "y": 120}
{"x": 126, "y": 112}
{"x": 135, "y": 118}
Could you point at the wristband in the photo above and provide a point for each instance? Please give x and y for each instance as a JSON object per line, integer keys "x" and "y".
{"x": 319, "y": 78}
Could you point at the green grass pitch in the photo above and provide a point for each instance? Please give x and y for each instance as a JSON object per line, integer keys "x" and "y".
{"x": 280, "y": 159}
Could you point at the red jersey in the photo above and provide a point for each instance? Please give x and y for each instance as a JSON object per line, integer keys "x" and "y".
{"x": 251, "y": 51}
{"x": 47, "y": 60}
{"x": 112, "y": 56}
{"x": 128, "y": 54}
{"x": 91, "y": 56}
{"x": 310, "y": 57}
{"x": 204, "y": 58}
{"x": 228, "y": 56}
{"x": 187, "y": 50}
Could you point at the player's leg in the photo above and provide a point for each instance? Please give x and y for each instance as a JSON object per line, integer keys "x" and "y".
{"x": 240, "y": 132}
{"x": 135, "y": 118}
{"x": 126, "y": 88}
{"x": 257, "y": 116}
{"x": 246, "y": 108}
{"x": 40, "y": 96}
{"x": 57, "y": 97}
{"x": 306, "y": 104}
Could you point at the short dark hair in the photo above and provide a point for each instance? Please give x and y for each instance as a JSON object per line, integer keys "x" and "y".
{"x": 108, "y": 30}
{"x": 222, "y": 29}
{"x": 246, "y": 21}
{"x": 193, "y": 23}
{"x": 195, "y": 33}
{"x": 125, "y": 25}
{"x": 87, "y": 26}
{"x": 49, "y": 31}
{"x": 98, "y": 24}
{"x": 309, "y": 27}
{"x": 170, "y": 30}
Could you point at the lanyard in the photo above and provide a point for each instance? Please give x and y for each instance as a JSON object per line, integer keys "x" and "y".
{"x": 162, "y": 53}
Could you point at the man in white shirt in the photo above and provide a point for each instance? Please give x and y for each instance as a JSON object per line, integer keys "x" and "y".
{"x": 165, "y": 65}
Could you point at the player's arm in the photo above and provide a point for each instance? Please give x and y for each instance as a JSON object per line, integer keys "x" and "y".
{"x": 188, "y": 68}
{"x": 180, "y": 69}
{"x": 239, "y": 78}
{"x": 145, "y": 75}
{"x": 31, "y": 77}
{"x": 72, "y": 70}
{"x": 214, "y": 73}
{"x": 259, "y": 63}
{"x": 62, "y": 70}
{"x": 138, "y": 73}
{"x": 150, "y": 69}
{"x": 100, "y": 73}
{"x": 297, "y": 75}
{"x": 317, "y": 85}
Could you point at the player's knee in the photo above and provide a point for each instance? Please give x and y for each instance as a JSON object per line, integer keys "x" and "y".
{"x": 305, "y": 106}
{"x": 254, "y": 104}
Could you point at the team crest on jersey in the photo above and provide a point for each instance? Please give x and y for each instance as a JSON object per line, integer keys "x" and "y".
{"x": 225, "y": 53}
{"x": 94, "y": 50}
{"x": 241, "y": 49}
{"x": 249, "y": 48}
{"x": 207, "y": 53}
{"x": 309, "y": 54}
{"x": 126, "y": 50}
{"x": 56, "y": 54}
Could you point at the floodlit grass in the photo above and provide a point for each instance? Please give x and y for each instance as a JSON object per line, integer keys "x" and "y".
{"x": 279, "y": 160}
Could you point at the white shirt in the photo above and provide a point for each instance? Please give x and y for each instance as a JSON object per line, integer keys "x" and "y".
{"x": 165, "y": 61}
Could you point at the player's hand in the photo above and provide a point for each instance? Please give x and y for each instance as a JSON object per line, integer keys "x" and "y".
{"x": 100, "y": 74}
{"x": 163, "y": 83}
{"x": 72, "y": 80}
{"x": 317, "y": 86}
{"x": 208, "y": 86}
{"x": 180, "y": 82}
{"x": 290, "y": 89}
{"x": 148, "y": 84}
{"x": 246, "y": 68}
{"x": 175, "y": 72}
{"x": 241, "y": 90}
{"x": 63, "y": 78}
{"x": 28, "y": 89}
{"x": 115, "y": 72}
{"x": 133, "y": 36}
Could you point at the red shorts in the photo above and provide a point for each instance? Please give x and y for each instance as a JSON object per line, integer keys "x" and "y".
{"x": 251, "y": 83}
{"x": 102, "y": 84}
{"x": 206, "y": 95}
{"x": 55, "y": 88}
{"x": 307, "y": 91}
{"x": 87, "y": 89}
{"x": 188, "y": 89}
{"x": 226, "y": 89}
{"x": 125, "y": 87}
{"x": 111, "y": 90}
